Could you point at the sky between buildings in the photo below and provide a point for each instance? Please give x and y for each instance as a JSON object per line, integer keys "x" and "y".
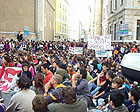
{"x": 81, "y": 9}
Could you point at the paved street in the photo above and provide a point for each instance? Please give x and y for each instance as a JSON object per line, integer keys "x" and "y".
{"x": 6, "y": 98}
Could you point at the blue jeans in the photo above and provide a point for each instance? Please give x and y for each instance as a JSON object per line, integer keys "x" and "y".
{"x": 92, "y": 86}
{"x": 95, "y": 90}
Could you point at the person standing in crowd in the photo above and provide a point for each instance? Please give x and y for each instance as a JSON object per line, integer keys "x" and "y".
{"x": 71, "y": 102}
{"x": 19, "y": 36}
{"x": 22, "y": 100}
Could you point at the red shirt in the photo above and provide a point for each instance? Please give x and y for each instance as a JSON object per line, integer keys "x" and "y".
{"x": 102, "y": 79}
{"x": 133, "y": 50}
{"x": 48, "y": 77}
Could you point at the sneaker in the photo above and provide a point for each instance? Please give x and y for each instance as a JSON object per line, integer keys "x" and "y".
{"x": 8, "y": 91}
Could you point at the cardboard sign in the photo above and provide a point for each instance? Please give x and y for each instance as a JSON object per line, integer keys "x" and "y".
{"x": 99, "y": 42}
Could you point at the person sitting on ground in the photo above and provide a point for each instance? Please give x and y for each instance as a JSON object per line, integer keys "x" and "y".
{"x": 117, "y": 84}
{"x": 2, "y": 106}
{"x": 22, "y": 100}
{"x": 40, "y": 104}
{"x": 38, "y": 85}
{"x": 116, "y": 100}
{"x": 61, "y": 71}
{"x": 107, "y": 86}
{"x": 101, "y": 79}
{"x": 81, "y": 85}
{"x": 24, "y": 72}
{"x": 134, "y": 96}
{"x": 56, "y": 94}
{"x": 70, "y": 71}
{"x": 7, "y": 62}
{"x": 71, "y": 103}
{"x": 46, "y": 70}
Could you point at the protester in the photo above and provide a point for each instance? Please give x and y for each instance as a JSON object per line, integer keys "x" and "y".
{"x": 134, "y": 96}
{"x": 116, "y": 102}
{"x": 22, "y": 100}
{"x": 71, "y": 102}
{"x": 7, "y": 62}
{"x": 40, "y": 104}
{"x": 24, "y": 72}
{"x": 48, "y": 74}
{"x": 82, "y": 85}
{"x": 56, "y": 94}
{"x": 48, "y": 58}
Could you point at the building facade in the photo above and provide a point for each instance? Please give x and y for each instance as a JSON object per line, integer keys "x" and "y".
{"x": 61, "y": 22}
{"x": 35, "y": 14}
{"x": 118, "y": 15}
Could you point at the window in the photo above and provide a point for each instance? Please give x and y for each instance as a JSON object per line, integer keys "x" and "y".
{"x": 60, "y": 15}
{"x": 111, "y": 6}
{"x": 114, "y": 31}
{"x": 63, "y": 17}
{"x": 60, "y": 5}
{"x": 60, "y": 28}
{"x": 110, "y": 30}
{"x": 138, "y": 30}
{"x": 115, "y": 4}
{"x": 63, "y": 28}
{"x": 121, "y": 2}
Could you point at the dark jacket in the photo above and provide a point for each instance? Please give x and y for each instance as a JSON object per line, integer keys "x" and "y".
{"x": 122, "y": 108}
{"x": 28, "y": 74}
{"x": 79, "y": 106}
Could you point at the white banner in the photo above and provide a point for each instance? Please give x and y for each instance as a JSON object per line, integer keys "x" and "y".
{"x": 99, "y": 42}
{"x": 103, "y": 53}
{"x": 76, "y": 50}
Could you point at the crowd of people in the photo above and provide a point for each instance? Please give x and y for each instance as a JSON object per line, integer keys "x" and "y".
{"x": 54, "y": 80}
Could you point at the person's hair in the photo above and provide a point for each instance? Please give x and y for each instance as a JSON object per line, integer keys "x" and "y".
{"x": 62, "y": 66}
{"x": 83, "y": 72}
{"x": 40, "y": 103}
{"x": 104, "y": 72}
{"x": 7, "y": 58}
{"x": 50, "y": 52}
{"x": 29, "y": 58}
{"x": 135, "y": 91}
{"x": 58, "y": 78}
{"x": 118, "y": 80}
{"x": 16, "y": 58}
{"x": 69, "y": 95}
{"x": 39, "y": 81}
{"x": 124, "y": 79}
{"x": 46, "y": 65}
{"x": 111, "y": 74}
{"x": 24, "y": 82}
{"x": 105, "y": 64}
{"x": 117, "y": 98}
{"x": 25, "y": 64}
